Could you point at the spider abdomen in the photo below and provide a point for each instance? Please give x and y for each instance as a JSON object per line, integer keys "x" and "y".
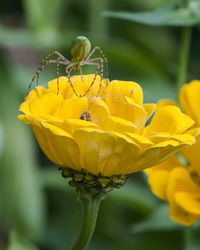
{"x": 80, "y": 48}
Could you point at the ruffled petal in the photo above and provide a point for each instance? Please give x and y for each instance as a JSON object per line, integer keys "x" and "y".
{"x": 166, "y": 102}
{"x": 105, "y": 153}
{"x": 149, "y": 108}
{"x": 157, "y": 154}
{"x": 142, "y": 141}
{"x": 120, "y": 89}
{"x": 190, "y": 99}
{"x": 58, "y": 145}
{"x": 120, "y": 125}
{"x": 98, "y": 110}
{"x": 190, "y": 202}
{"x": 159, "y": 176}
{"x": 45, "y": 104}
{"x": 170, "y": 120}
{"x": 191, "y": 153}
{"x": 158, "y": 181}
{"x": 71, "y": 125}
{"x": 180, "y": 215}
{"x": 181, "y": 181}
{"x": 72, "y": 108}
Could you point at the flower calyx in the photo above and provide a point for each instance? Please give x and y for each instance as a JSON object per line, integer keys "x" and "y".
{"x": 90, "y": 184}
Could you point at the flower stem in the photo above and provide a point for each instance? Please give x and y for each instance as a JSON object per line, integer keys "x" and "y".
{"x": 184, "y": 56}
{"x": 90, "y": 207}
{"x": 184, "y": 52}
{"x": 186, "y": 2}
{"x": 192, "y": 240}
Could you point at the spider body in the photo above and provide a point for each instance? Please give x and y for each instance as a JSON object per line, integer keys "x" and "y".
{"x": 81, "y": 55}
{"x": 80, "y": 48}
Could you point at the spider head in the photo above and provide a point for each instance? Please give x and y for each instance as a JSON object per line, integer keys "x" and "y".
{"x": 80, "y": 48}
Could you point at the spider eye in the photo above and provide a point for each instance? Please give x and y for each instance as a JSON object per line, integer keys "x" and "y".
{"x": 80, "y": 48}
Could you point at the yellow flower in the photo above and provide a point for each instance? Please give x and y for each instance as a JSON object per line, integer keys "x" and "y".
{"x": 103, "y": 135}
{"x": 176, "y": 182}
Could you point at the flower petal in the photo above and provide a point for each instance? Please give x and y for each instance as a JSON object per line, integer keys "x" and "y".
{"x": 180, "y": 181}
{"x": 120, "y": 89}
{"x": 180, "y": 215}
{"x": 149, "y": 108}
{"x": 105, "y": 153}
{"x": 157, "y": 154}
{"x": 190, "y": 99}
{"x": 71, "y": 125}
{"x": 45, "y": 104}
{"x": 190, "y": 202}
{"x": 58, "y": 145}
{"x": 72, "y": 108}
{"x": 159, "y": 176}
{"x": 98, "y": 111}
{"x": 166, "y": 102}
{"x": 191, "y": 153}
{"x": 170, "y": 120}
{"x": 158, "y": 181}
{"x": 142, "y": 141}
{"x": 120, "y": 125}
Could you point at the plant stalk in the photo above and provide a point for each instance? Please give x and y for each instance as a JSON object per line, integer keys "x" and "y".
{"x": 90, "y": 207}
{"x": 191, "y": 235}
{"x": 184, "y": 56}
{"x": 186, "y": 2}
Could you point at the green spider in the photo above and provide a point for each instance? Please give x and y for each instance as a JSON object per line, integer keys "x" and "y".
{"x": 81, "y": 55}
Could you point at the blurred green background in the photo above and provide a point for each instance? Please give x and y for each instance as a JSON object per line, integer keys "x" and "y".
{"x": 37, "y": 208}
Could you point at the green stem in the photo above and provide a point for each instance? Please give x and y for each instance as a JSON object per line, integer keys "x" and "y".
{"x": 184, "y": 56}
{"x": 90, "y": 207}
{"x": 192, "y": 240}
{"x": 186, "y": 2}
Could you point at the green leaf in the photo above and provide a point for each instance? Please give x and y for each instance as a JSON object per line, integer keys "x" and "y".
{"x": 17, "y": 242}
{"x": 170, "y": 14}
{"x": 157, "y": 221}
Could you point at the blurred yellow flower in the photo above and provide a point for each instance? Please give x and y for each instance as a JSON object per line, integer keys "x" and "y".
{"x": 177, "y": 182}
{"x": 103, "y": 135}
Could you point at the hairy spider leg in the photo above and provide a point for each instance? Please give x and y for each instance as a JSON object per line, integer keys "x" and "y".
{"x": 95, "y": 61}
{"x": 58, "y": 74}
{"x": 81, "y": 72}
{"x": 92, "y": 83}
{"x": 103, "y": 55}
{"x": 44, "y": 64}
{"x": 68, "y": 70}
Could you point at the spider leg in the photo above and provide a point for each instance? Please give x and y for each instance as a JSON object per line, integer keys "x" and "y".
{"x": 103, "y": 55}
{"x": 61, "y": 56}
{"x": 81, "y": 72}
{"x": 95, "y": 60}
{"x": 44, "y": 64}
{"x": 68, "y": 70}
{"x": 58, "y": 74}
{"x": 98, "y": 68}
